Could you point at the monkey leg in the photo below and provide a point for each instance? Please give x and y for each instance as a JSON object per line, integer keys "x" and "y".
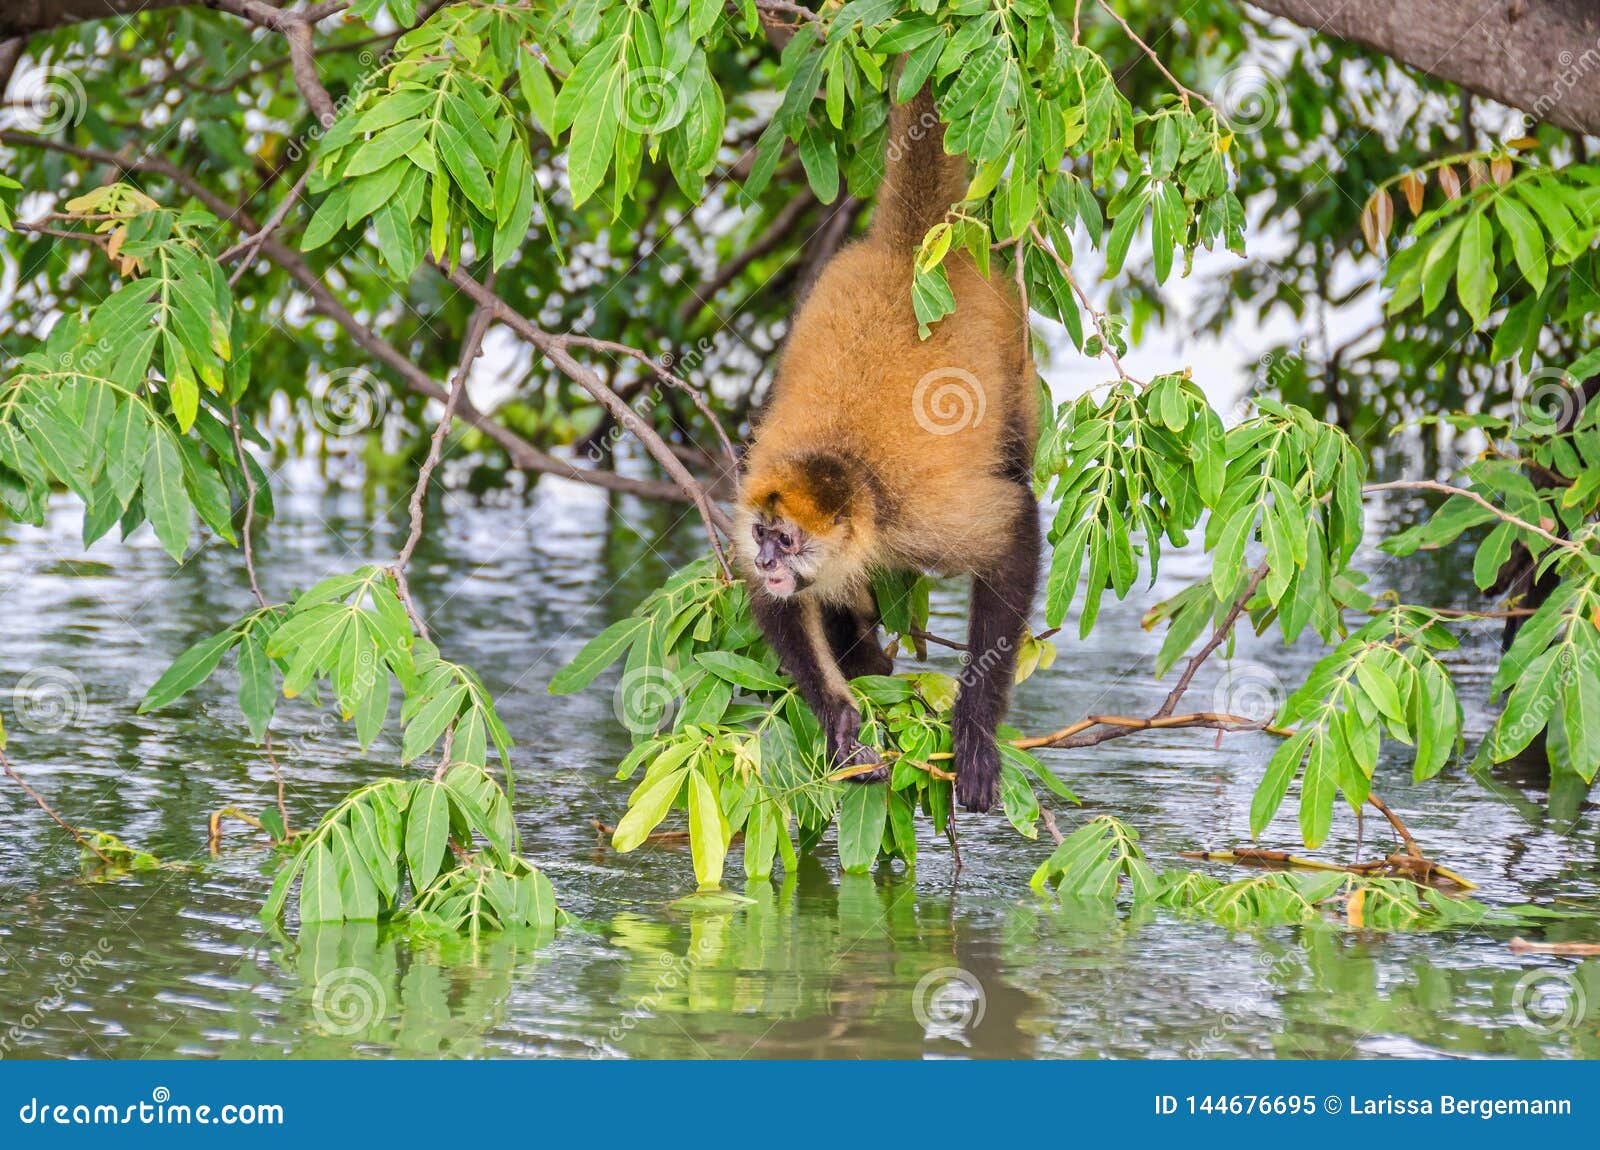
{"x": 796, "y": 632}
{"x": 853, "y": 638}
{"x": 1001, "y": 600}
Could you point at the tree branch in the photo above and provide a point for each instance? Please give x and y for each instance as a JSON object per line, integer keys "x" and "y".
{"x": 555, "y": 350}
{"x": 1447, "y": 489}
{"x": 1543, "y": 58}
{"x": 523, "y": 455}
{"x": 471, "y": 346}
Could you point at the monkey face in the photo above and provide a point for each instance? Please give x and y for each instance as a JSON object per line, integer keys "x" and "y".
{"x": 784, "y": 556}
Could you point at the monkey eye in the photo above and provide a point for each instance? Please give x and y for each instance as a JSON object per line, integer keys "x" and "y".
{"x": 784, "y": 541}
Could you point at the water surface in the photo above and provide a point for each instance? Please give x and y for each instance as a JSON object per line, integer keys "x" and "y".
{"x": 175, "y": 963}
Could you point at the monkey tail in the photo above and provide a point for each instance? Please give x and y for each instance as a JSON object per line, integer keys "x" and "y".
{"x": 920, "y": 180}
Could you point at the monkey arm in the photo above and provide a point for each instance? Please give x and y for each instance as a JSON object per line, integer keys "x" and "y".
{"x": 1001, "y": 601}
{"x": 794, "y": 628}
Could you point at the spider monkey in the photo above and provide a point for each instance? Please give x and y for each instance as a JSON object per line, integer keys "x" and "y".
{"x": 881, "y": 451}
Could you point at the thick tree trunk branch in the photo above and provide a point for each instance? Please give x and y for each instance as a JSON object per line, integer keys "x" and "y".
{"x": 1541, "y": 56}
{"x": 25, "y": 17}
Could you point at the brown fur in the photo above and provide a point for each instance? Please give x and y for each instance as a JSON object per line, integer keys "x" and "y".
{"x": 848, "y": 387}
{"x": 881, "y": 450}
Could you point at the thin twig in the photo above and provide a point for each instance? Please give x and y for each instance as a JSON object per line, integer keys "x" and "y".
{"x": 1473, "y": 496}
{"x": 1394, "y": 820}
{"x": 1095, "y": 314}
{"x": 661, "y": 371}
{"x": 248, "y": 247}
{"x": 1184, "y": 92}
{"x": 471, "y": 345}
{"x": 1096, "y": 729}
{"x": 76, "y": 834}
{"x": 551, "y": 345}
{"x": 249, "y": 507}
{"x": 277, "y": 777}
{"x": 1223, "y": 630}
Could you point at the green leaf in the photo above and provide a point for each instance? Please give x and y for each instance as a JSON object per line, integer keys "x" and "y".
{"x": 1281, "y": 769}
{"x": 1527, "y": 241}
{"x": 597, "y": 654}
{"x": 648, "y": 805}
{"x": 427, "y": 831}
{"x": 861, "y": 821}
{"x": 423, "y": 731}
{"x": 166, "y": 502}
{"x": 1317, "y": 790}
{"x": 741, "y": 671}
{"x": 258, "y": 690}
{"x": 708, "y": 831}
{"x": 188, "y": 670}
{"x": 1475, "y": 277}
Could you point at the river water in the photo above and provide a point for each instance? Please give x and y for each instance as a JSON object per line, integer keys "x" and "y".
{"x": 174, "y": 962}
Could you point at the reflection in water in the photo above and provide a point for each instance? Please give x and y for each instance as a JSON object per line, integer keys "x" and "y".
{"x": 175, "y": 962}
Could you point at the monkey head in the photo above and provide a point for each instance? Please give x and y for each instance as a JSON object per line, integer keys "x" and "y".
{"x": 804, "y": 523}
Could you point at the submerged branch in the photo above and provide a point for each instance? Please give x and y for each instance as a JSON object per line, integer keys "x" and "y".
{"x": 77, "y": 835}
{"x": 1412, "y": 867}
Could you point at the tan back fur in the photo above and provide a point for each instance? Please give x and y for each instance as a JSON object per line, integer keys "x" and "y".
{"x": 936, "y": 421}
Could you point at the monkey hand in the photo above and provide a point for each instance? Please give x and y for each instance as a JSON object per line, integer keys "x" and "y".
{"x": 845, "y": 748}
{"x": 977, "y": 762}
